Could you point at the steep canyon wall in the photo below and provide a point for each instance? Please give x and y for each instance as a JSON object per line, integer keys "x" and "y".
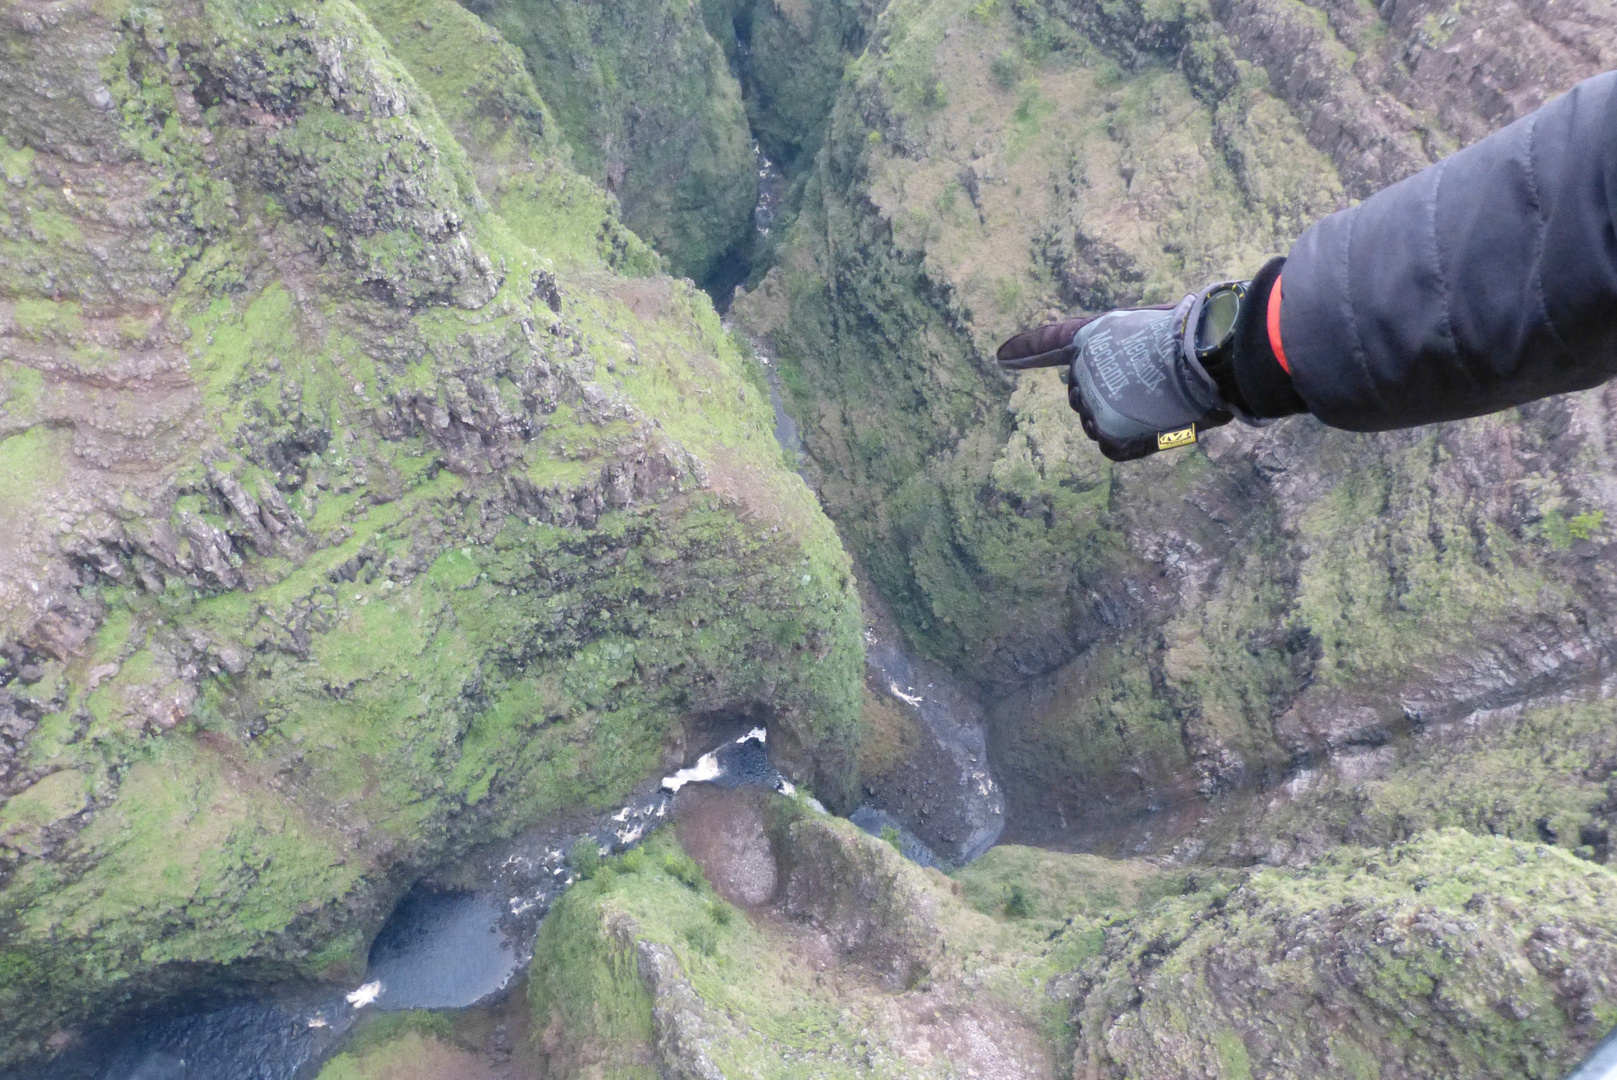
{"x": 1160, "y": 633}
{"x": 368, "y": 494}
{"x": 369, "y": 491}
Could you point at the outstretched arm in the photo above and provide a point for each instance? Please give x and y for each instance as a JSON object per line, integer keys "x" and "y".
{"x": 1485, "y": 281}
{"x": 1482, "y": 282}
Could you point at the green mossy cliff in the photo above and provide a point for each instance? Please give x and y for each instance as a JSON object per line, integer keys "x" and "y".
{"x": 857, "y": 964}
{"x": 1201, "y": 623}
{"x": 790, "y": 58}
{"x": 650, "y": 105}
{"x": 367, "y": 493}
{"x": 1452, "y": 955}
{"x": 667, "y": 103}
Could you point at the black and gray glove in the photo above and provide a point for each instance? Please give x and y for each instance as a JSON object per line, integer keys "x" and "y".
{"x": 1144, "y": 379}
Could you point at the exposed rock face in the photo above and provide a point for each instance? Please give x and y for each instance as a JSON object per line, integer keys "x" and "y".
{"x": 677, "y": 1015}
{"x": 1450, "y": 956}
{"x": 1160, "y": 633}
{"x": 363, "y": 493}
{"x": 1454, "y": 955}
{"x": 862, "y": 964}
{"x": 727, "y": 835}
{"x": 860, "y": 897}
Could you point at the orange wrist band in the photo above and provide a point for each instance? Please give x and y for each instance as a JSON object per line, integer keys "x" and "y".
{"x": 1274, "y": 326}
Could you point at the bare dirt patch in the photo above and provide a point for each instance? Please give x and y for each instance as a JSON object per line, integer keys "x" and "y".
{"x": 724, "y": 832}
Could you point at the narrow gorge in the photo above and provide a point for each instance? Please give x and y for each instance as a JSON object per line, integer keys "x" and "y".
{"x": 516, "y": 560}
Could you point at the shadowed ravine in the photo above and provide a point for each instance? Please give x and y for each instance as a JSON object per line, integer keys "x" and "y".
{"x": 940, "y": 793}
{"x": 431, "y": 433}
{"x": 456, "y": 945}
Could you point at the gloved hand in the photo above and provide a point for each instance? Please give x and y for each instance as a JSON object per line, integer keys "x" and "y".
{"x": 1139, "y": 379}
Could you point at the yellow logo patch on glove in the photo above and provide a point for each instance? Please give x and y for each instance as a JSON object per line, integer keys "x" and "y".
{"x": 1167, "y": 440}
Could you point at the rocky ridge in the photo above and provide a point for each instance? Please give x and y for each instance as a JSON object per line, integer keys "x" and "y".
{"x": 369, "y": 494}
{"x": 424, "y": 507}
{"x": 1415, "y": 960}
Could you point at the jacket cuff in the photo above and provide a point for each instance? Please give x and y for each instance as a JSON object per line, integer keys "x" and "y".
{"x": 1266, "y": 388}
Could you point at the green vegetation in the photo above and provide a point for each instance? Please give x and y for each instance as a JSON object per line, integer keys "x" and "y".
{"x": 385, "y": 498}
{"x": 646, "y": 99}
{"x": 747, "y": 992}
{"x": 796, "y": 54}
{"x": 1451, "y": 954}
{"x": 459, "y": 525}
{"x": 42, "y": 804}
{"x": 974, "y": 518}
{"x": 1017, "y": 904}
{"x": 1194, "y": 625}
{"x": 1445, "y": 956}
{"x": 401, "y": 1046}
{"x": 1054, "y": 886}
{"x": 1538, "y": 776}
{"x": 587, "y": 997}
{"x": 30, "y": 459}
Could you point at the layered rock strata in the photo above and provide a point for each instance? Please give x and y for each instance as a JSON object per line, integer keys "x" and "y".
{"x": 367, "y": 494}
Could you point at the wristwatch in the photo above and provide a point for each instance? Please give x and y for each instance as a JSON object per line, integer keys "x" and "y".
{"x": 1214, "y": 342}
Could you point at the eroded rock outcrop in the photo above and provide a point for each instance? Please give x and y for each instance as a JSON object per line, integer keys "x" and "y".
{"x": 861, "y": 964}
{"x": 1452, "y": 955}
{"x": 366, "y": 495}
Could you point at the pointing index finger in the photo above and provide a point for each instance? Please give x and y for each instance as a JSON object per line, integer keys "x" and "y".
{"x": 1048, "y": 346}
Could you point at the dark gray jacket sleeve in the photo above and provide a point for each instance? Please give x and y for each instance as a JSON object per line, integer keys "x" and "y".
{"x": 1485, "y": 281}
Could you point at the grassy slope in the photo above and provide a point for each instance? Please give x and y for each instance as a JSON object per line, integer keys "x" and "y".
{"x": 471, "y": 632}
{"x": 1449, "y": 956}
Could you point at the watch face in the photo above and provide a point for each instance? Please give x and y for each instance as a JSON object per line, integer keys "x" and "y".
{"x": 1217, "y": 320}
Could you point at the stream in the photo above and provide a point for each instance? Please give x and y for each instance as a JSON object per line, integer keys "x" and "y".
{"x": 942, "y": 800}
{"x": 446, "y": 948}
{"x": 441, "y": 948}
{"x": 450, "y": 948}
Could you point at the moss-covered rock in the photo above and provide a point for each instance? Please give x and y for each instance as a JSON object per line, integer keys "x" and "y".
{"x": 405, "y": 1046}
{"x": 645, "y": 970}
{"x": 648, "y": 101}
{"x": 367, "y": 495}
{"x": 1538, "y": 775}
{"x": 1450, "y": 956}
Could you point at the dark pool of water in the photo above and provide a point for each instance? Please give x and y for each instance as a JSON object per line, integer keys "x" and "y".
{"x": 439, "y": 949}
{"x": 283, "y": 1036}
{"x": 442, "y": 950}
